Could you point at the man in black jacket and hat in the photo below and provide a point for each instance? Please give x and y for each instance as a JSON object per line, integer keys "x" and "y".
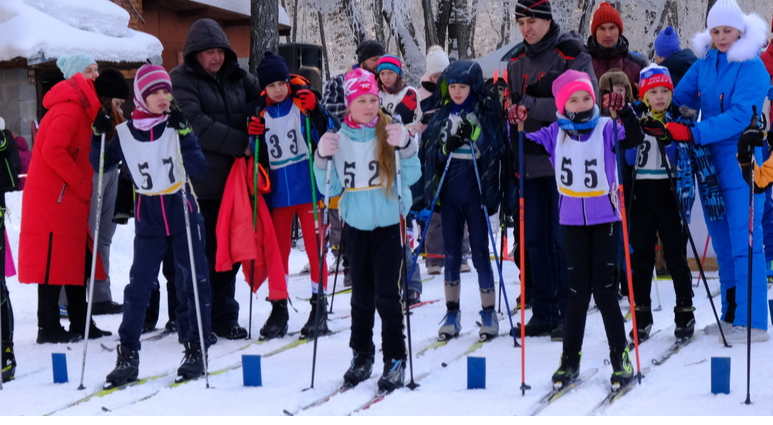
{"x": 212, "y": 89}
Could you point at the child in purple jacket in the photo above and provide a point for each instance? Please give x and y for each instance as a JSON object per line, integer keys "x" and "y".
{"x": 582, "y": 149}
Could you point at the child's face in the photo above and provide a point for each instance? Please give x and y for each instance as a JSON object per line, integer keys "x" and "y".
{"x": 658, "y": 98}
{"x": 388, "y": 78}
{"x": 364, "y": 108}
{"x": 458, "y": 92}
{"x": 159, "y": 101}
{"x": 277, "y": 91}
{"x": 579, "y": 101}
{"x": 620, "y": 90}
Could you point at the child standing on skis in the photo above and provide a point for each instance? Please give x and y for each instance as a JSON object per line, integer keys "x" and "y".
{"x": 288, "y": 123}
{"x": 150, "y": 145}
{"x": 654, "y": 209}
{"x": 582, "y": 149}
{"x": 468, "y": 118}
{"x": 363, "y": 167}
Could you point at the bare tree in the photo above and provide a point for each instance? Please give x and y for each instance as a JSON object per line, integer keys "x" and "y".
{"x": 325, "y": 56}
{"x": 349, "y": 8}
{"x": 397, "y": 15}
{"x": 430, "y": 33}
{"x": 504, "y": 28}
{"x": 443, "y": 20}
{"x": 264, "y": 34}
{"x": 377, "y": 7}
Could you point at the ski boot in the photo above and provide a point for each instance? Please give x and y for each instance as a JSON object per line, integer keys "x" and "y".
{"x": 307, "y": 331}
{"x": 568, "y": 369}
{"x": 537, "y": 327}
{"x": 57, "y": 335}
{"x": 622, "y": 369}
{"x": 276, "y": 324}
{"x": 452, "y": 324}
{"x": 94, "y": 331}
{"x": 489, "y": 324}
{"x": 643, "y": 322}
{"x": 126, "y": 368}
{"x": 8, "y": 364}
{"x": 684, "y": 320}
{"x": 393, "y": 376}
{"x": 193, "y": 363}
{"x": 360, "y": 368}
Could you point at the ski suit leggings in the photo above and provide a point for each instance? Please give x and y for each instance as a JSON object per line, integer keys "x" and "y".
{"x": 283, "y": 225}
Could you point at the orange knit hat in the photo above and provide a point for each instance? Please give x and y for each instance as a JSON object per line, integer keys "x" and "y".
{"x": 605, "y": 13}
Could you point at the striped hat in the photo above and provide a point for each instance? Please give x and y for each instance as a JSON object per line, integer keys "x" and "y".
{"x": 150, "y": 78}
{"x": 654, "y": 76}
{"x": 534, "y": 9}
{"x": 391, "y": 63}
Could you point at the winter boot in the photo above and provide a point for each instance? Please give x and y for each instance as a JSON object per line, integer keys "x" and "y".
{"x": 126, "y": 368}
{"x": 558, "y": 333}
{"x": 622, "y": 369}
{"x": 568, "y": 369}
{"x": 394, "y": 375}
{"x": 276, "y": 325}
{"x": 94, "y": 331}
{"x": 452, "y": 324}
{"x": 684, "y": 320}
{"x": 8, "y": 364}
{"x": 307, "y": 331}
{"x": 193, "y": 363}
{"x": 538, "y": 327}
{"x": 360, "y": 368}
{"x": 643, "y": 322}
{"x": 489, "y": 324}
{"x": 57, "y": 335}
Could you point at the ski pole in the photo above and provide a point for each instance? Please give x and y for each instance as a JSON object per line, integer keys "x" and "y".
{"x": 657, "y": 289}
{"x": 191, "y": 257}
{"x": 626, "y": 245}
{"x": 4, "y": 304}
{"x": 749, "y": 277}
{"x": 254, "y": 142}
{"x": 683, "y": 215}
{"x": 703, "y": 261}
{"x": 338, "y": 264}
{"x": 522, "y": 255}
{"x": 94, "y": 256}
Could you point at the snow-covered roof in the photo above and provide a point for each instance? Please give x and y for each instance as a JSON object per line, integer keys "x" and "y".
{"x": 39, "y": 30}
{"x": 242, "y": 7}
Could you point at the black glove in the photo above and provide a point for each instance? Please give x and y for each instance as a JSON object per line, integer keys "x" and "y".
{"x": 178, "y": 121}
{"x": 543, "y": 87}
{"x": 656, "y": 129}
{"x": 751, "y": 137}
{"x": 427, "y": 117}
{"x": 466, "y": 128}
{"x": 102, "y": 123}
{"x": 453, "y": 143}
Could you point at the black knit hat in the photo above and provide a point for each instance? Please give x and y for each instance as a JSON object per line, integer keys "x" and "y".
{"x": 271, "y": 69}
{"x": 368, "y": 49}
{"x": 111, "y": 83}
{"x": 533, "y": 9}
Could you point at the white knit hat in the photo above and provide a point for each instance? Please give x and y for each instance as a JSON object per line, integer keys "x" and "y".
{"x": 437, "y": 60}
{"x": 726, "y": 13}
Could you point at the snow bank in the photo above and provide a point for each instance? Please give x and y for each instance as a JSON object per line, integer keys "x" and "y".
{"x": 54, "y": 28}
{"x": 243, "y": 7}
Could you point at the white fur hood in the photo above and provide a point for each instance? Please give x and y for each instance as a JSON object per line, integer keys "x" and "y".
{"x": 747, "y": 47}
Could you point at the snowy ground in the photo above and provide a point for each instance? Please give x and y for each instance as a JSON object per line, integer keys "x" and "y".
{"x": 679, "y": 387}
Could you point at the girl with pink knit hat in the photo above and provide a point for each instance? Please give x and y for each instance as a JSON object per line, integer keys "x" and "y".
{"x": 582, "y": 147}
{"x": 150, "y": 145}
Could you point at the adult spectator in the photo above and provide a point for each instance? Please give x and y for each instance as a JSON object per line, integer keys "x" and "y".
{"x": 609, "y": 48}
{"x": 669, "y": 54}
{"x": 211, "y": 90}
{"x": 546, "y": 53}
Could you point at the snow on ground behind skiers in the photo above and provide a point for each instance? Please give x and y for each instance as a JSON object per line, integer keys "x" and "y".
{"x": 679, "y": 387}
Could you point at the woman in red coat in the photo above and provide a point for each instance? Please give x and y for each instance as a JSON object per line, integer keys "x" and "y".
{"x": 55, "y": 209}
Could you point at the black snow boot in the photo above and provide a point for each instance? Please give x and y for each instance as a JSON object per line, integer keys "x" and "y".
{"x": 193, "y": 363}
{"x": 94, "y": 331}
{"x": 307, "y": 331}
{"x": 57, "y": 335}
{"x": 622, "y": 369}
{"x": 127, "y": 367}
{"x": 8, "y": 364}
{"x": 684, "y": 319}
{"x": 643, "y": 322}
{"x": 393, "y": 376}
{"x": 568, "y": 369}
{"x": 360, "y": 368}
{"x": 276, "y": 324}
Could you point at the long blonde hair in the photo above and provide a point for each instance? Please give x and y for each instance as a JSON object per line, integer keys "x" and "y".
{"x": 385, "y": 154}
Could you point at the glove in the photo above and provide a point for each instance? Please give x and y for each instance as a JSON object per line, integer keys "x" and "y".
{"x": 613, "y": 101}
{"x": 543, "y": 87}
{"x": 751, "y": 137}
{"x": 427, "y": 117}
{"x": 517, "y": 114}
{"x": 453, "y": 143}
{"x": 656, "y": 129}
{"x": 424, "y": 215}
{"x": 257, "y": 126}
{"x": 466, "y": 131}
{"x": 328, "y": 144}
{"x": 680, "y": 132}
{"x": 396, "y": 135}
{"x": 102, "y": 123}
{"x": 178, "y": 121}
{"x": 308, "y": 100}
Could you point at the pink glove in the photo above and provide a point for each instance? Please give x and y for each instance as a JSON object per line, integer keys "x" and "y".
{"x": 328, "y": 144}
{"x": 397, "y": 135}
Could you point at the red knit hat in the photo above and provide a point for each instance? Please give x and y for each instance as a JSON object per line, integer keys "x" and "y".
{"x": 606, "y": 13}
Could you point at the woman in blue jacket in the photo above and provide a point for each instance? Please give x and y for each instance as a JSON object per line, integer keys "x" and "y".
{"x": 726, "y": 82}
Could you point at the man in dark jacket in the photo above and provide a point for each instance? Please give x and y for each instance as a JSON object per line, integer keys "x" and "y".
{"x": 669, "y": 54}
{"x": 212, "y": 90}
{"x": 546, "y": 53}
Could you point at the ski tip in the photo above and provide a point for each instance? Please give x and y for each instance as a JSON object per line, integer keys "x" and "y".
{"x": 287, "y": 413}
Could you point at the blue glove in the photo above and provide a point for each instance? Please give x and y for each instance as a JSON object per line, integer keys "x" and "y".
{"x": 424, "y": 215}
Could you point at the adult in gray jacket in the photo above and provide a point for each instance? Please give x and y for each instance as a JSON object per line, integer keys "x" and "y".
{"x": 545, "y": 54}
{"x": 211, "y": 89}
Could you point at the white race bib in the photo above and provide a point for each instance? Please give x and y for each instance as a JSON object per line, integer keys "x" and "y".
{"x": 649, "y": 161}
{"x": 155, "y": 165}
{"x": 283, "y": 139}
{"x": 580, "y": 168}
{"x": 356, "y": 164}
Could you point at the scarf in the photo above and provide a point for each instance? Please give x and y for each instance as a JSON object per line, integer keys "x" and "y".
{"x": 142, "y": 118}
{"x": 575, "y": 123}
{"x": 355, "y": 125}
{"x": 465, "y": 106}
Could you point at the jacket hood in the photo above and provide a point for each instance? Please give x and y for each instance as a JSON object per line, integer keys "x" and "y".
{"x": 206, "y": 34}
{"x": 747, "y": 47}
{"x": 767, "y": 58}
{"x": 464, "y": 72}
{"x": 77, "y": 90}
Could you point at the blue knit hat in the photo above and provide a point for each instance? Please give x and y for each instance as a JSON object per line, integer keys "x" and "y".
{"x": 71, "y": 65}
{"x": 667, "y": 42}
{"x": 272, "y": 68}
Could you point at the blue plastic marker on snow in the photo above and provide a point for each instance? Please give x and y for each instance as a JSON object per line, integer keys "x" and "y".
{"x": 59, "y": 363}
{"x": 720, "y": 375}
{"x": 251, "y": 371}
{"x": 476, "y": 373}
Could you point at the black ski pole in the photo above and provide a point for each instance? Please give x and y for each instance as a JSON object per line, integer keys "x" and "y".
{"x": 339, "y": 259}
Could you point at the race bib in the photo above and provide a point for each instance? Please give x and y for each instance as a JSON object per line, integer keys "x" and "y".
{"x": 580, "y": 171}
{"x": 283, "y": 139}
{"x": 155, "y": 165}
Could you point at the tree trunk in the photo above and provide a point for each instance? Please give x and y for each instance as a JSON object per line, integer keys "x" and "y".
{"x": 473, "y": 24}
{"x": 264, "y": 34}
{"x": 324, "y": 45}
{"x": 463, "y": 28}
{"x": 443, "y": 21}
{"x": 430, "y": 32}
{"x": 587, "y": 17}
{"x": 405, "y": 37}
{"x": 295, "y": 20}
{"x": 453, "y": 35}
{"x": 355, "y": 24}
{"x": 377, "y": 8}
{"x": 504, "y": 28}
